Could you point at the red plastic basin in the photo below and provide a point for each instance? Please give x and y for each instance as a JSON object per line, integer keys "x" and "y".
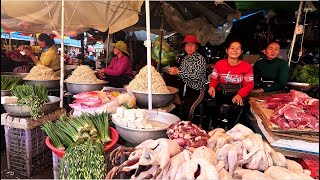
{"x": 113, "y": 133}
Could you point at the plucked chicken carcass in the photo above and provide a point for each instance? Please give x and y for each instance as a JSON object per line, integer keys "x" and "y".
{"x": 189, "y": 169}
{"x": 176, "y": 162}
{"x": 173, "y": 166}
{"x": 239, "y": 131}
{"x": 227, "y": 157}
{"x": 255, "y": 154}
{"x": 144, "y": 156}
{"x": 218, "y": 138}
{"x": 296, "y": 167}
{"x": 224, "y": 175}
{"x": 278, "y": 159}
{"x": 247, "y": 174}
{"x": 205, "y": 153}
{"x": 280, "y": 173}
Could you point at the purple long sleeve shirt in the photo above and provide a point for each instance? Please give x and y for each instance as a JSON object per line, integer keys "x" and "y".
{"x": 119, "y": 66}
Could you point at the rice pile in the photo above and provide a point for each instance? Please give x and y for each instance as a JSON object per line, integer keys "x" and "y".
{"x": 85, "y": 75}
{"x": 140, "y": 82}
{"x": 41, "y": 72}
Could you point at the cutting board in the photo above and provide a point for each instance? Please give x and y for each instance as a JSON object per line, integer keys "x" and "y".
{"x": 265, "y": 115}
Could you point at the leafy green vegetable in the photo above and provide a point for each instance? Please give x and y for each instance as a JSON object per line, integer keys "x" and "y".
{"x": 294, "y": 73}
{"x": 9, "y": 83}
{"x": 305, "y": 74}
{"x": 34, "y": 96}
{"x": 168, "y": 54}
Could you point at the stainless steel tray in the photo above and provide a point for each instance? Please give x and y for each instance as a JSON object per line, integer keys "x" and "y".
{"x": 158, "y": 100}
{"x": 5, "y": 93}
{"x": 300, "y": 86}
{"x": 137, "y": 136}
{"x": 24, "y": 111}
{"x": 49, "y": 84}
{"x": 12, "y": 74}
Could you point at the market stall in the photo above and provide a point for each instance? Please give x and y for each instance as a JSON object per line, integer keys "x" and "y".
{"x": 161, "y": 145}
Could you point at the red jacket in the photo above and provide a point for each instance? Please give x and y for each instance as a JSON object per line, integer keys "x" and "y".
{"x": 239, "y": 74}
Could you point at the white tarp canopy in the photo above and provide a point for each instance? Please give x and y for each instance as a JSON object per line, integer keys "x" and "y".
{"x": 74, "y": 17}
{"x": 79, "y": 16}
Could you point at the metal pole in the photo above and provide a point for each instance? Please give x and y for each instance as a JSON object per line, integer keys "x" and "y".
{"x": 61, "y": 55}
{"x": 147, "y": 44}
{"x": 294, "y": 33}
{"x": 10, "y": 47}
{"x": 160, "y": 48}
{"x": 107, "y": 48}
{"x": 82, "y": 49}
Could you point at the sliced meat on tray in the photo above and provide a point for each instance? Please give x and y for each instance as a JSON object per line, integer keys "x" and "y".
{"x": 293, "y": 113}
{"x": 298, "y": 96}
{"x": 294, "y": 110}
{"x": 280, "y": 121}
{"x": 282, "y": 108}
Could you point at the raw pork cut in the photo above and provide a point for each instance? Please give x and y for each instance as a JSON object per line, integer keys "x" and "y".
{"x": 298, "y": 96}
{"x": 280, "y": 121}
{"x": 313, "y": 110}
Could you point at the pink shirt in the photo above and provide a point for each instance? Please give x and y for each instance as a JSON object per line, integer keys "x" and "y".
{"x": 119, "y": 67}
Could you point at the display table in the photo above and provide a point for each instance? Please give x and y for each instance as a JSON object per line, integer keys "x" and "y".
{"x": 297, "y": 143}
{"x": 287, "y": 152}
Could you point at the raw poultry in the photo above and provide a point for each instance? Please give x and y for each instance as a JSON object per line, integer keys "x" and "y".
{"x": 218, "y": 138}
{"x": 247, "y": 174}
{"x": 224, "y": 157}
{"x": 280, "y": 173}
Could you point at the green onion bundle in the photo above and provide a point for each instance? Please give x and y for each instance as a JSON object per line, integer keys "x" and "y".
{"x": 49, "y": 128}
{"x": 83, "y": 161}
{"x": 70, "y": 130}
{"x": 101, "y": 122}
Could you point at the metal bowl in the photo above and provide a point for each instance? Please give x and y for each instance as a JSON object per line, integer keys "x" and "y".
{"x": 300, "y": 86}
{"x": 12, "y": 74}
{"x": 75, "y": 88}
{"x": 49, "y": 84}
{"x": 158, "y": 100}
{"x": 23, "y": 110}
{"x": 5, "y": 93}
{"x": 137, "y": 136}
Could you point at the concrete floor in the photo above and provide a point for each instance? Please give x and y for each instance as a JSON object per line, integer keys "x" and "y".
{"x": 46, "y": 173}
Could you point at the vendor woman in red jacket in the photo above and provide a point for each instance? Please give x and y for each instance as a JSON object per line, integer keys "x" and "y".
{"x": 119, "y": 71}
{"x": 232, "y": 70}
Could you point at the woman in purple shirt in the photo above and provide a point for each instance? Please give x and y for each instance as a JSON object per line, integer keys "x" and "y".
{"x": 119, "y": 71}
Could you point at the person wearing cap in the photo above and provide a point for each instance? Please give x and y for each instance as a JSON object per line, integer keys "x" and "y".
{"x": 192, "y": 71}
{"x": 119, "y": 72}
{"x": 49, "y": 55}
